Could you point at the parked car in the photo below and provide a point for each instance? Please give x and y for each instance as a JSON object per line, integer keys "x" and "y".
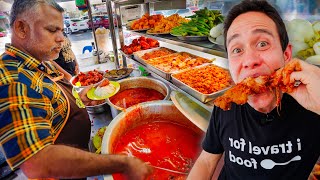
{"x": 78, "y": 25}
{"x": 3, "y": 34}
{"x": 101, "y": 21}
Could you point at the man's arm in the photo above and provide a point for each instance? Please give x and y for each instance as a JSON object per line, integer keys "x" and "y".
{"x": 77, "y": 70}
{"x": 59, "y": 161}
{"x": 204, "y": 166}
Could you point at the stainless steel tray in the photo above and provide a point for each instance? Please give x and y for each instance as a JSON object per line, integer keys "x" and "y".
{"x": 192, "y": 38}
{"x": 136, "y": 30}
{"x": 167, "y": 75}
{"x": 198, "y": 95}
{"x": 126, "y": 55}
{"x": 138, "y": 55}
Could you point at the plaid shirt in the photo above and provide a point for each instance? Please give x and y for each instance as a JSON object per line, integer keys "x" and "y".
{"x": 33, "y": 109}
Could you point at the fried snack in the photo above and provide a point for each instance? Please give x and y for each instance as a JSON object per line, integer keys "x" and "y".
{"x": 279, "y": 81}
{"x": 146, "y": 22}
{"x": 177, "y": 61}
{"x": 207, "y": 80}
{"x": 140, "y": 43}
{"x": 166, "y": 24}
{"x": 157, "y": 53}
{"x": 88, "y": 78}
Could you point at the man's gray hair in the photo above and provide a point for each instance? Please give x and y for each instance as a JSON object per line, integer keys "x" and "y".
{"x": 21, "y": 6}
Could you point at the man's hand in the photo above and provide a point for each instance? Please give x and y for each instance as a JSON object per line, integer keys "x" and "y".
{"x": 137, "y": 169}
{"x": 86, "y": 101}
{"x": 308, "y": 92}
{"x": 76, "y": 70}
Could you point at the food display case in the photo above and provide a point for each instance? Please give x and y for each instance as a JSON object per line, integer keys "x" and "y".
{"x": 195, "y": 105}
{"x": 210, "y": 51}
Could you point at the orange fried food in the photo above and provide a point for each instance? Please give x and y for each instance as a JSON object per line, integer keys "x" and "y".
{"x": 146, "y": 21}
{"x": 140, "y": 43}
{"x": 166, "y": 24}
{"x": 176, "y": 62}
{"x": 207, "y": 79}
{"x": 279, "y": 80}
{"x": 88, "y": 78}
{"x": 104, "y": 83}
{"x": 157, "y": 53}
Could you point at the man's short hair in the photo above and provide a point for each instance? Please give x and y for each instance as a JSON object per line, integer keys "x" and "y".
{"x": 21, "y": 6}
{"x": 257, "y": 6}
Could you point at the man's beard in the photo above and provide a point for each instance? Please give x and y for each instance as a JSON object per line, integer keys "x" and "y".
{"x": 41, "y": 55}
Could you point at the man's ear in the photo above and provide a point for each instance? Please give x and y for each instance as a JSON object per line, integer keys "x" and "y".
{"x": 288, "y": 53}
{"x": 21, "y": 28}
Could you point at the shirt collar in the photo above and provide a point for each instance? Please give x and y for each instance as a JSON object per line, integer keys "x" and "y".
{"x": 31, "y": 62}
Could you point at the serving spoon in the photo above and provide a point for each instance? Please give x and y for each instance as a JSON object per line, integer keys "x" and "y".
{"x": 165, "y": 169}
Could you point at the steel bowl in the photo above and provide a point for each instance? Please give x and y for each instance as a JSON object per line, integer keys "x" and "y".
{"x": 79, "y": 88}
{"x": 135, "y": 82}
{"x": 100, "y": 108}
{"x": 139, "y": 114}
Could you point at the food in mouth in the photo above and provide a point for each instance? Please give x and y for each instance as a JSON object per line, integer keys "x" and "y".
{"x": 279, "y": 80}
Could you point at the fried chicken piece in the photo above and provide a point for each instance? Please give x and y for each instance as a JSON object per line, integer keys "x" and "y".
{"x": 240, "y": 92}
{"x": 281, "y": 78}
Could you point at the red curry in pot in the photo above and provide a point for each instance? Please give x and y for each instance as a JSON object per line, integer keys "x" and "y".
{"x": 133, "y": 96}
{"x": 163, "y": 144}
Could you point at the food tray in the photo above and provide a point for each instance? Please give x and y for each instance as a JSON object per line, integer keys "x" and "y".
{"x": 195, "y": 93}
{"x": 164, "y": 74}
{"x": 138, "y": 54}
{"x": 191, "y": 38}
{"x": 117, "y": 74}
{"x": 152, "y": 33}
{"x": 136, "y": 30}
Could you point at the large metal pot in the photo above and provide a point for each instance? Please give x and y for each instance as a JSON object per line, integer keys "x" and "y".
{"x": 139, "y": 114}
{"x": 135, "y": 82}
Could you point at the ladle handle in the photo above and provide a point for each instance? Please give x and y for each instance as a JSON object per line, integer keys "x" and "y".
{"x": 169, "y": 170}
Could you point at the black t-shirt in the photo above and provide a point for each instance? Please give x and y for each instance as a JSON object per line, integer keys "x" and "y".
{"x": 252, "y": 141}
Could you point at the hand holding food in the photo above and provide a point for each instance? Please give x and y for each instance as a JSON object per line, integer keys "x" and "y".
{"x": 307, "y": 93}
{"x": 280, "y": 80}
{"x": 137, "y": 169}
{"x": 104, "y": 89}
{"x": 86, "y": 101}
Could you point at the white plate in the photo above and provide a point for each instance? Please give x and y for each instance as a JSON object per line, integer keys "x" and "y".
{"x": 191, "y": 109}
{"x": 213, "y": 40}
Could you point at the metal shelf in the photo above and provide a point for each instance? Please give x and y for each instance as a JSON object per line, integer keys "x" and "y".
{"x": 203, "y": 46}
